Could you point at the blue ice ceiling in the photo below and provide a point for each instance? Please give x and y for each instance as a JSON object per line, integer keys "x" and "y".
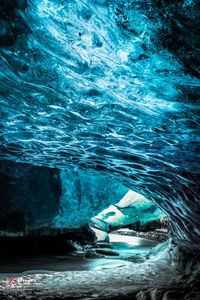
{"x": 91, "y": 84}
{"x": 79, "y": 89}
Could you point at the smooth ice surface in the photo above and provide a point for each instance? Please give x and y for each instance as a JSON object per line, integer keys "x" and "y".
{"x": 91, "y": 84}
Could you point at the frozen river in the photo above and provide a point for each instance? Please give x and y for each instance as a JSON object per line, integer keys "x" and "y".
{"x": 125, "y": 245}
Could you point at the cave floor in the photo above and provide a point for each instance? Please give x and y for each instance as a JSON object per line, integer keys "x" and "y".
{"x": 103, "y": 282}
{"x": 125, "y": 246}
{"x": 99, "y": 284}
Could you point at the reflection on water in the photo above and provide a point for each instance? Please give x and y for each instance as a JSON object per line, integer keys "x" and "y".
{"x": 125, "y": 245}
{"x": 57, "y": 263}
{"x": 129, "y": 245}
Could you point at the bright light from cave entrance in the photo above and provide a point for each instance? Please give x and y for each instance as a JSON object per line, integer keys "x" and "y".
{"x": 117, "y": 238}
{"x": 132, "y": 208}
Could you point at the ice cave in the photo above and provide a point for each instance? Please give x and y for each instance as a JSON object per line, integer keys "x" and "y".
{"x": 99, "y": 149}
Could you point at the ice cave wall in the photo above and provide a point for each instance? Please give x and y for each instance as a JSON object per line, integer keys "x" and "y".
{"x": 85, "y": 193}
{"x": 35, "y": 197}
{"x": 110, "y": 86}
{"x": 29, "y": 196}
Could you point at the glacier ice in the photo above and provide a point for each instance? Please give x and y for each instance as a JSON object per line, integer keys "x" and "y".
{"x": 85, "y": 194}
{"x": 131, "y": 208}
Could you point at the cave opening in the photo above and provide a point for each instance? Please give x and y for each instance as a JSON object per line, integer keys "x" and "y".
{"x": 132, "y": 226}
{"x": 74, "y": 224}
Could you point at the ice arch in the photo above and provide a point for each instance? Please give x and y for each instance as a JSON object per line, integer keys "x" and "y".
{"x": 92, "y": 86}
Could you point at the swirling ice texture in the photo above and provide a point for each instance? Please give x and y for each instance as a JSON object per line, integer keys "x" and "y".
{"x": 90, "y": 87}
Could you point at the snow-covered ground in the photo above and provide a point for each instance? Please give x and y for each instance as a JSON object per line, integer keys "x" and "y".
{"x": 100, "y": 282}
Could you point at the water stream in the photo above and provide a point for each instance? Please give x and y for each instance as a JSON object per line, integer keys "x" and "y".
{"x": 125, "y": 245}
